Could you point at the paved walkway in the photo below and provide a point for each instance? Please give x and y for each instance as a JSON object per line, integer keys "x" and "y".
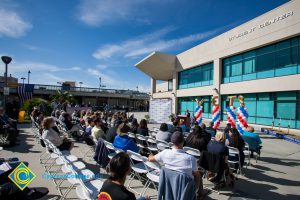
{"x": 275, "y": 176}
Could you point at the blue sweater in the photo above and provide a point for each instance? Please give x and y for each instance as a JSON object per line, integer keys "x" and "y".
{"x": 125, "y": 143}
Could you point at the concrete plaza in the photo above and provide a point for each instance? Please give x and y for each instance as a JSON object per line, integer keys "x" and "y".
{"x": 275, "y": 176}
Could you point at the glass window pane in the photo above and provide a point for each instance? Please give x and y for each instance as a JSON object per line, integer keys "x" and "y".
{"x": 249, "y": 65}
{"x": 286, "y": 96}
{"x": 265, "y": 58}
{"x": 236, "y": 65}
{"x": 286, "y": 110}
{"x": 265, "y": 109}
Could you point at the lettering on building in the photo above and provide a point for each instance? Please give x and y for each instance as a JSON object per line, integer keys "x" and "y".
{"x": 261, "y": 26}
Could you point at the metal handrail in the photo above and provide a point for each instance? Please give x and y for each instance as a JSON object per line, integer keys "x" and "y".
{"x": 87, "y": 89}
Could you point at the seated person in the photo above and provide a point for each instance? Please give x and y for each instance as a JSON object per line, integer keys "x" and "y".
{"x": 253, "y": 140}
{"x": 97, "y": 131}
{"x": 134, "y": 126}
{"x": 131, "y": 118}
{"x": 66, "y": 118}
{"x": 113, "y": 187}
{"x": 7, "y": 126}
{"x": 143, "y": 129}
{"x": 122, "y": 141}
{"x": 206, "y": 135}
{"x": 176, "y": 159}
{"x": 218, "y": 147}
{"x": 90, "y": 126}
{"x": 237, "y": 142}
{"x": 196, "y": 139}
{"x": 182, "y": 125}
{"x": 210, "y": 129}
{"x": 163, "y": 134}
{"x": 112, "y": 131}
{"x": 61, "y": 142}
{"x": 226, "y": 130}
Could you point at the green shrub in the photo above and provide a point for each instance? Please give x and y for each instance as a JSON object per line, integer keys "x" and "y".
{"x": 38, "y": 102}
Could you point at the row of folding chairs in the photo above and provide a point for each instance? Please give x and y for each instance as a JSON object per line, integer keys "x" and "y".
{"x": 67, "y": 173}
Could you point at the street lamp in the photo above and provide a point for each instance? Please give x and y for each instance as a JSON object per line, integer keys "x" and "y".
{"x": 23, "y": 78}
{"x": 6, "y": 60}
{"x": 29, "y": 72}
{"x": 80, "y": 83}
{"x": 137, "y": 88}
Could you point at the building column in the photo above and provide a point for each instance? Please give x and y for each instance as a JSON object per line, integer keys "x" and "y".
{"x": 217, "y": 78}
{"x": 153, "y": 86}
{"x": 174, "y": 91}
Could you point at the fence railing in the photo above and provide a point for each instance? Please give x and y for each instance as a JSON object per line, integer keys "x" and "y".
{"x": 86, "y": 89}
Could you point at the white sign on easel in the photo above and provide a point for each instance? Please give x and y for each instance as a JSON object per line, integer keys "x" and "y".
{"x": 160, "y": 110}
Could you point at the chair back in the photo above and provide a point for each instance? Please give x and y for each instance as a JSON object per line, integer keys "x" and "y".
{"x": 109, "y": 145}
{"x": 192, "y": 151}
{"x": 135, "y": 157}
{"x": 162, "y": 145}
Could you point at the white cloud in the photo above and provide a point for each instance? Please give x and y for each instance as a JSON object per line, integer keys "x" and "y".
{"x": 95, "y": 12}
{"x": 20, "y": 68}
{"x": 12, "y": 24}
{"x": 146, "y": 44}
{"x": 101, "y": 67}
{"x": 31, "y": 47}
{"x": 115, "y": 82}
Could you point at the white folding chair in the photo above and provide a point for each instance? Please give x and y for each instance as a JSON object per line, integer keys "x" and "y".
{"x": 131, "y": 135}
{"x": 153, "y": 172}
{"x": 234, "y": 152}
{"x": 162, "y": 145}
{"x": 113, "y": 150}
{"x": 247, "y": 153}
{"x": 89, "y": 190}
{"x": 151, "y": 144}
{"x": 138, "y": 168}
{"x": 141, "y": 141}
{"x": 193, "y": 152}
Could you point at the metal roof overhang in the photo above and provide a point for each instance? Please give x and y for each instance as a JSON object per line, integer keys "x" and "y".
{"x": 158, "y": 65}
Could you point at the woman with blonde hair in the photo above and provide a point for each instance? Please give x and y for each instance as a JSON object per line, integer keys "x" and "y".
{"x": 61, "y": 142}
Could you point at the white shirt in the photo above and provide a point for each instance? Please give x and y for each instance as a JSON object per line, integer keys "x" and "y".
{"x": 177, "y": 160}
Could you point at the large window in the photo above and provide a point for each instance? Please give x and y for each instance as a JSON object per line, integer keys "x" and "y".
{"x": 280, "y": 59}
{"x": 196, "y": 77}
{"x": 189, "y": 103}
{"x": 263, "y": 108}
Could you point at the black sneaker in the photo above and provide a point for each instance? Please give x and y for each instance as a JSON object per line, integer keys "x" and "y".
{"x": 37, "y": 194}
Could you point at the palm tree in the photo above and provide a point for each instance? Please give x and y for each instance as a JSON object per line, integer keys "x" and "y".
{"x": 63, "y": 97}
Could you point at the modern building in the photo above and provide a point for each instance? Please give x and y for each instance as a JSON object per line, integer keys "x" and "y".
{"x": 259, "y": 59}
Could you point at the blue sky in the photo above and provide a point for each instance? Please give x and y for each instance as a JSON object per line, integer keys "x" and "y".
{"x": 82, "y": 40}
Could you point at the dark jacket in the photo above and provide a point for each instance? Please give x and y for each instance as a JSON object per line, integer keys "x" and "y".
{"x": 111, "y": 134}
{"x": 142, "y": 131}
{"x": 101, "y": 154}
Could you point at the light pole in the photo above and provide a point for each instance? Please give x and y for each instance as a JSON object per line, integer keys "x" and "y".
{"x": 23, "y": 78}
{"x": 137, "y": 88}
{"x": 29, "y": 72}
{"x": 80, "y": 83}
{"x": 6, "y": 60}
{"x": 100, "y": 85}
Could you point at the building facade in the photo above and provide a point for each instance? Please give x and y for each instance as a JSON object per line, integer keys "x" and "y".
{"x": 259, "y": 59}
